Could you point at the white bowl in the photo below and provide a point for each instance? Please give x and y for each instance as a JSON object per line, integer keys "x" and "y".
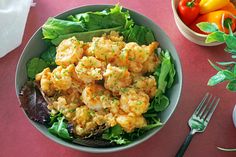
{"x": 195, "y": 37}
{"x": 234, "y": 116}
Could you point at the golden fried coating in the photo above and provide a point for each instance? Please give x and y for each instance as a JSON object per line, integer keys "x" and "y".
{"x": 69, "y": 52}
{"x": 116, "y": 78}
{"x": 89, "y": 69}
{"x": 101, "y": 83}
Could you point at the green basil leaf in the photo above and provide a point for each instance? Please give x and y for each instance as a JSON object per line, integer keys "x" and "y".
{"x": 232, "y": 86}
{"x": 234, "y": 70}
{"x": 214, "y": 66}
{"x": 227, "y": 49}
{"x": 227, "y": 149}
{"x": 218, "y": 78}
{"x": 233, "y": 56}
{"x": 228, "y": 75}
{"x": 230, "y": 42}
{"x": 226, "y": 63}
{"x": 207, "y": 27}
{"x": 215, "y": 36}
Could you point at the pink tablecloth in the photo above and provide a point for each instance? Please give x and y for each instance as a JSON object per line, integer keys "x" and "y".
{"x": 19, "y": 138}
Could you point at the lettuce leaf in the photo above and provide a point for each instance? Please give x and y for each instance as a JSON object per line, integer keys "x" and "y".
{"x": 84, "y": 36}
{"x": 109, "y": 18}
{"x": 164, "y": 75}
{"x": 55, "y": 27}
{"x": 85, "y": 22}
{"x": 140, "y": 34}
{"x": 59, "y": 128}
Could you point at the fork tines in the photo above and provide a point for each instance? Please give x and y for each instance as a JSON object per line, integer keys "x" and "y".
{"x": 206, "y": 107}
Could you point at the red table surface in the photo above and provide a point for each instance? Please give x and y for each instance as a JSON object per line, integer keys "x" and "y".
{"x": 19, "y": 138}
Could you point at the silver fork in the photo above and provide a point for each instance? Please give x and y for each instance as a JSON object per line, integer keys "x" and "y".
{"x": 199, "y": 120}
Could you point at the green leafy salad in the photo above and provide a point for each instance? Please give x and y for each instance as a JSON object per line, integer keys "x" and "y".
{"x": 84, "y": 27}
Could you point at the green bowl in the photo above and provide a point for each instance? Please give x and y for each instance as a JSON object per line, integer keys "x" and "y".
{"x": 36, "y": 45}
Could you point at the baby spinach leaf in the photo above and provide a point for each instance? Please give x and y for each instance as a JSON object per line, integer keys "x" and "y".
{"x": 49, "y": 56}
{"x": 215, "y": 36}
{"x": 207, "y": 27}
{"x": 59, "y": 128}
{"x": 161, "y": 103}
{"x": 114, "y": 134}
{"x": 35, "y": 66}
{"x": 171, "y": 76}
{"x": 54, "y": 117}
{"x": 55, "y": 27}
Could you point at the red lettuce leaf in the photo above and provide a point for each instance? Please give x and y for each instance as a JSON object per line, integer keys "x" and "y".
{"x": 34, "y": 104}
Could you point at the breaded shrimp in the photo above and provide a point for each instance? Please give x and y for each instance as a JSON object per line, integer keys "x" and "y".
{"x": 145, "y": 84}
{"x": 134, "y": 55}
{"x": 129, "y": 123}
{"x": 151, "y": 63}
{"x": 89, "y": 69}
{"x": 116, "y": 78}
{"x": 69, "y": 52}
{"x": 45, "y": 80}
{"x": 96, "y": 97}
{"x": 133, "y": 101}
{"x": 106, "y": 48}
{"x": 61, "y": 78}
{"x": 63, "y": 106}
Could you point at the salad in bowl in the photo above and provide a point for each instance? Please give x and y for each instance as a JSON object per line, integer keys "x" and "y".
{"x": 102, "y": 81}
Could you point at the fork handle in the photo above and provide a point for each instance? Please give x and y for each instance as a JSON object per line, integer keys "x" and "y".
{"x": 184, "y": 146}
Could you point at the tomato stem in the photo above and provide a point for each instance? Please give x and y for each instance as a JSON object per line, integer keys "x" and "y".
{"x": 190, "y": 4}
{"x": 227, "y": 22}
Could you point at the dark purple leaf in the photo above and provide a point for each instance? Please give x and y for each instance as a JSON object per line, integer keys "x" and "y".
{"x": 34, "y": 104}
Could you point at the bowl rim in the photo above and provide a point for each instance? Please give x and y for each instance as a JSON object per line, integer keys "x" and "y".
{"x": 109, "y": 149}
{"x": 185, "y": 26}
